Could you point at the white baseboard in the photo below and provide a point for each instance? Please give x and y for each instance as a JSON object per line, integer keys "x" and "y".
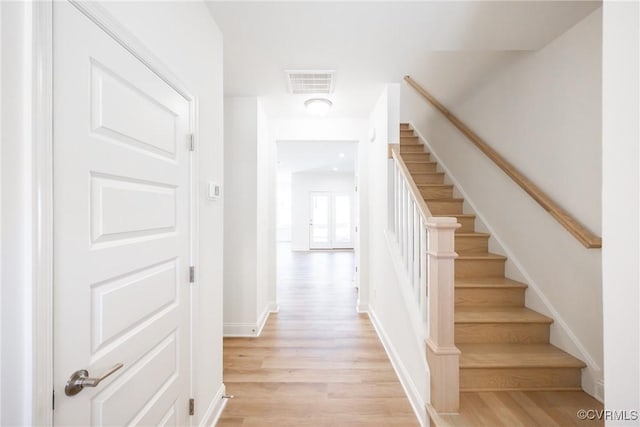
{"x": 404, "y": 375}
{"x": 592, "y": 374}
{"x": 240, "y": 330}
{"x": 215, "y": 408}
{"x": 250, "y": 329}
{"x": 362, "y": 307}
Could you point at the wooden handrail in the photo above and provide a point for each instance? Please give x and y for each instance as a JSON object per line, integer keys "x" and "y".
{"x": 423, "y": 209}
{"x": 586, "y": 237}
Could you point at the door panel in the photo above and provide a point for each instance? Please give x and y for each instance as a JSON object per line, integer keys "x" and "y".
{"x": 320, "y": 224}
{"x": 121, "y": 231}
{"x": 342, "y": 214}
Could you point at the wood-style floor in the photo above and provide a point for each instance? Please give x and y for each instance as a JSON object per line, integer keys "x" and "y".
{"x": 523, "y": 408}
{"x": 317, "y": 362}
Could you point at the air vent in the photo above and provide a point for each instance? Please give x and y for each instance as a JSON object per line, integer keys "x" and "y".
{"x": 310, "y": 81}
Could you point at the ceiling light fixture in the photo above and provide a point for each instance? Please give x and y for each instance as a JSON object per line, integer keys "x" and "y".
{"x": 335, "y": 169}
{"x": 341, "y": 155}
{"x": 318, "y": 106}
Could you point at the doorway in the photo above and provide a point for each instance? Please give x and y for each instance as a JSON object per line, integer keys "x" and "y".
{"x": 331, "y": 222}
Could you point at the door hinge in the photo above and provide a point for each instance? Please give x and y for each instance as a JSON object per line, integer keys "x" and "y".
{"x": 192, "y": 274}
{"x": 356, "y": 228}
{"x": 53, "y": 400}
{"x": 192, "y": 406}
{"x": 356, "y": 188}
{"x": 192, "y": 142}
{"x": 356, "y": 268}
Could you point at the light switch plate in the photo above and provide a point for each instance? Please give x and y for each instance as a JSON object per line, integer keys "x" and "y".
{"x": 213, "y": 190}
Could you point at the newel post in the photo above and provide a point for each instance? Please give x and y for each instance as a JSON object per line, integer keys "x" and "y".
{"x": 442, "y": 354}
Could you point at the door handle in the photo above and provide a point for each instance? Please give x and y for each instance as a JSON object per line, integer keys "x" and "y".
{"x": 80, "y": 379}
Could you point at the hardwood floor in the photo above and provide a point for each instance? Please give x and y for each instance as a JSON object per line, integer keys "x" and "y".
{"x": 317, "y": 362}
{"x": 522, "y": 408}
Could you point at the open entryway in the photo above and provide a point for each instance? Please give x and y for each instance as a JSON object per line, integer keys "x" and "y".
{"x": 317, "y": 361}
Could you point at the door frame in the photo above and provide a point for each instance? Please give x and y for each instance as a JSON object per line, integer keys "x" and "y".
{"x": 42, "y": 182}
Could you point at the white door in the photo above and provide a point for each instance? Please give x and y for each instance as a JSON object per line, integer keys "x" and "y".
{"x": 320, "y": 222}
{"x": 121, "y": 232}
{"x": 331, "y": 223}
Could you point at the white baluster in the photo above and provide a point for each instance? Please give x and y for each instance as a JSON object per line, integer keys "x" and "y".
{"x": 423, "y": 274}
{"x": 416, "y": 253}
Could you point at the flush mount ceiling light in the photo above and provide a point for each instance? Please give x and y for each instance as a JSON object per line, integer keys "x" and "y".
{"x": 318, "y": 106}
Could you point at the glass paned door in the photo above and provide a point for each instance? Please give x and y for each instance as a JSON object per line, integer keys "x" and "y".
{"x": 342, "y": 221}
{"x": 331, "y": 222}
{"x": 319, "y": 225}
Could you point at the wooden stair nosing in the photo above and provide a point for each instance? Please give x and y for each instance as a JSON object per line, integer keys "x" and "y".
{"x": 499, "y": 356}
{"x": 498, "y": 314}
{"x": 489, "y": 283}
{"x": 481, "y": 256}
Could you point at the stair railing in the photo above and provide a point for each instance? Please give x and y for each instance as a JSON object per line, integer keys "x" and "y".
{"x": 426, "y": 246}
{"x": 571, "y": 224}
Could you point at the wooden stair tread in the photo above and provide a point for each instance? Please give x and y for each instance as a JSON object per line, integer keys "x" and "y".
{"x": 499, "y": 314}
{"x": 412, "y": 162}
{"x": 516, "y": 356}
{"x": 474, "y": 234}
{"x": 434, "y": 185}
{"x": 443, "y": 199}
{"x": 479, "y": 256}
{"x": 459, "y": 215}
{"x": 488, "y": 282}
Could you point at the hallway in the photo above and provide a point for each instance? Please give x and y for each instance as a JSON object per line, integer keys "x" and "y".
{"x": 317, "y": 362}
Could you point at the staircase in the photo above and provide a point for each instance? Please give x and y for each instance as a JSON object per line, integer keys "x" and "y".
{"x": 503, "y": 344}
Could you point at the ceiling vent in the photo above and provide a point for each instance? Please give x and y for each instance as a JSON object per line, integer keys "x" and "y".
{"x": 310, "y": 81}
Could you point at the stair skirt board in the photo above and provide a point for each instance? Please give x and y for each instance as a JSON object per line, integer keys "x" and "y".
{"x": 410, "y": 389}
{"x": 492, "y": 325}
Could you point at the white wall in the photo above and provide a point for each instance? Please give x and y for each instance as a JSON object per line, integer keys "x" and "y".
{"x": 249, "y": 241}
{"x": 541, "y": 111}
{"x": 318, "y": 129}
{"x": 620, "y": 212}
{"x": 397, "y": 325}
{"x": 193, "y": 52}
{"x": 283, "y": 214}
{"x": 240, "y": 224}
{"x": 16, "y": 310}
{"x": 302, "y": 183}
{"x": 266, "y": 217}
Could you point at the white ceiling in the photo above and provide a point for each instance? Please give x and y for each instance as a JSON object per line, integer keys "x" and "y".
{"x": 316, "y": 156}
{"x": 446, "y": 45}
